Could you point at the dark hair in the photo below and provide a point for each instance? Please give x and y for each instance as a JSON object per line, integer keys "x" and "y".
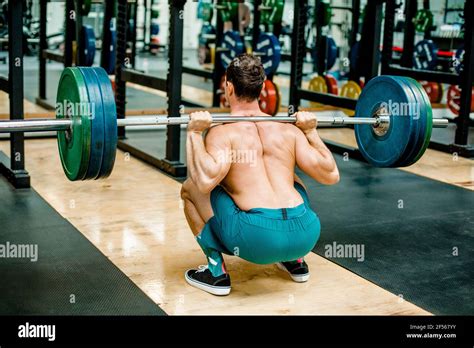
{"x": 247, "y": 75}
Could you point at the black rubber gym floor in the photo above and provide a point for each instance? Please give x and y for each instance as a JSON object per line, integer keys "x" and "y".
{"x": 417, "y": 233}
{"x": 69, "y": 268}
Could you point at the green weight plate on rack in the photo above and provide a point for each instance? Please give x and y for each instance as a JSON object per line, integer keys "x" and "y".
{"x": 207, "y": 12}
{"x": 426, "y": 118}
{"x": 228, "y": 9}
{"x": 155, "y": 14}
{"x": 85, "y": 7}
{"x": 272, "y": 11}
{"x": 110, "y": 122}
{"x": 97, "y": 122}
{"x": 324, "y": 13}
{"x": 74, "y": 145}
{"x": 423, "y": 20}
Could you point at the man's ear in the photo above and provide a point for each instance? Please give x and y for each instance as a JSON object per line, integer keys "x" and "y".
{"x": 230, "y": 88}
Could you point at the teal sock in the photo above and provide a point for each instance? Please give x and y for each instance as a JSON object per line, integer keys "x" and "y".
{"x": 215, "y": 260}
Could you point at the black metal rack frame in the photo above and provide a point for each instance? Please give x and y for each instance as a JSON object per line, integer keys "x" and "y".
{"x": 73, "y": 25}
{"x": 171, "y": 85}
{"x": 216, "y": 74}
{"x": 13, "y": 168}
{"x": 368, "y": 54}
{"x": 321, "y": 42}
{"x": 465, "y": 80}
{"x": 46, "y": 54}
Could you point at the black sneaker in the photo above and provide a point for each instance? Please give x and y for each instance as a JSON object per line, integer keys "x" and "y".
{"x": 299, "y": 271}
{"x": 203, "y": 279}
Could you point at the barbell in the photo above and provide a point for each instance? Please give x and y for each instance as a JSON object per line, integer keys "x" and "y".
{"x": 396, "y": 133}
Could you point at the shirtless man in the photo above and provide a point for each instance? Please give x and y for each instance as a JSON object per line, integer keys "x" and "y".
{"x": 242, "y": 196}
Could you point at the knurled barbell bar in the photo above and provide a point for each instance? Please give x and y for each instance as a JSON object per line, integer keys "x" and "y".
{"x": 396, "y": 134}
{"x": 44, "y": 125}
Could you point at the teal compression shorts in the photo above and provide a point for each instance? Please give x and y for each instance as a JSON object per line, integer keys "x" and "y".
{"x": 260, "y": 235}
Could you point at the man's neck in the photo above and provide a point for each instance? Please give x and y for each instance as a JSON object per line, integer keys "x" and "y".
{"x": 246, "y": 109}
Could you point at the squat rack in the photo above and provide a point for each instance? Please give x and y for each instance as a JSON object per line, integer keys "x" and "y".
{"x": 73, "y": 23}
{"x": 13, "y": 168}
{"x": 171, "y": 164}
{"x": 368, "y": 54}
{"x": 216, "y": 74}
{"x": 46, "y": 54}
{"x": 465, "y": 80}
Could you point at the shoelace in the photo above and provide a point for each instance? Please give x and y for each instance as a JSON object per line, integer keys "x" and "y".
{"x": 202, "y": 268}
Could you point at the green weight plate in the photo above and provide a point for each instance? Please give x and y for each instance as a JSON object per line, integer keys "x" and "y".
{"x": 155, "y": 14}
{"x": 74, "y": 146}
{"x": 207, "y": 12}
{"x": 426, "y": 115}
{"x": 324, "y": 13}
{"x": 97, "y": 123}
{"x": 423, "y": 20}
{"x": 417, "y": 124}
{"x": 110, "y": 119}
{"x": 228, "y": 9}
{"x": 85, "y": 7}
{"x": 273, "y": 15}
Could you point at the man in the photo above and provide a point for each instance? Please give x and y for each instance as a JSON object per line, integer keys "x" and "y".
{"x": 242, "y": 196}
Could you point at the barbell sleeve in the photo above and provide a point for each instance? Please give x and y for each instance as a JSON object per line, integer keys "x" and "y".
{"x": 35, "y": 125}
{"x": 43, "y": 125}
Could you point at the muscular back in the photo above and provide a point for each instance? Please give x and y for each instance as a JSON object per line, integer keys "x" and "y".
{"x": 263, "y": 159}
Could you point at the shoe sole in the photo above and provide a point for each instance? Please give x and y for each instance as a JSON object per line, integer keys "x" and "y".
{"x": 215, "y": 290}
{"x": 298, "y": 278}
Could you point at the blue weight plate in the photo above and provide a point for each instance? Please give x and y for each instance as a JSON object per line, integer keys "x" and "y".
{"x": 459, "y": 66}
{"x": 354, "y": 55}
{"x": 331, "y": 52}
{"x": 96, "y": 113}
{"x": 425, "y": 121}
{"x": 112, "y": 56}
{"x": 206, "y": 29}
{"x": 88, "y": 45}
{"x": 387, "y": 149}
{"x": 425, "y": 56}
{"x": 110, "y": 118}
{"x": 155, "y": 29}
{"x": 234, "y": 43}
{"x": 417, "y": 125}
{"x": 269, "y": 50}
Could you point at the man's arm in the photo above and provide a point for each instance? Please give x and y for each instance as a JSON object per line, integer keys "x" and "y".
{"x": 206, "y": 160}
{"x": 312, "y": 155}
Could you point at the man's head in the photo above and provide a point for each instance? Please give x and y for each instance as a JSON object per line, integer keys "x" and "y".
{"x": 244, "y": 79}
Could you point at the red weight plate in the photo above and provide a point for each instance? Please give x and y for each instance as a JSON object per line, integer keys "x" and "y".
{"x": 454, "y": 96}
{"x": 331, "y": 83}
{"x": 269, "y": 98}
{"x": 440, "y": 94}
{"x": 433, "y": 89}
{"x": 223, "y": 100}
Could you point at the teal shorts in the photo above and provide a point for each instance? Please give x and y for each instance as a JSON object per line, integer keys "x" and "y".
{"x": 260, "y": 235}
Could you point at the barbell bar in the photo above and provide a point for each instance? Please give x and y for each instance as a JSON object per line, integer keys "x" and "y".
{"x": 392, "y": 122}
{"x": 58, "y": 125}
